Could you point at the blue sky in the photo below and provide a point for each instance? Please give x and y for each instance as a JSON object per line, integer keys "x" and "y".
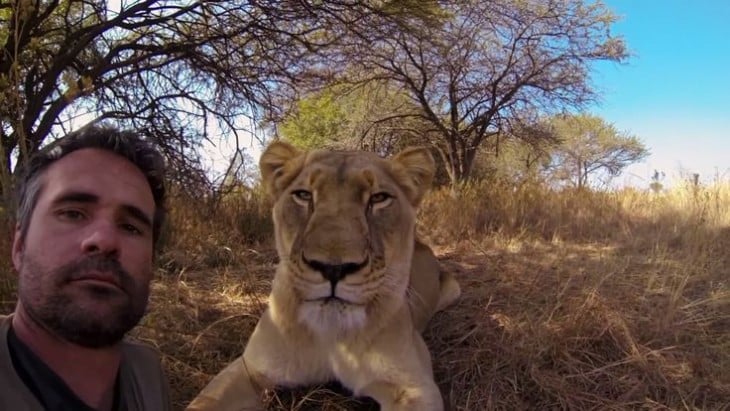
{"x": 674, "y": 92}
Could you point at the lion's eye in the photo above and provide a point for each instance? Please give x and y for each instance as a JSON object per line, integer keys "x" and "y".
{"x": 378, "y": 198}
{"x": 302, "y": 195}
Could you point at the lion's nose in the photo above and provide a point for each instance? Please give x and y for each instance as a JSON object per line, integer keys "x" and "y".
{"x": 335, "y": 272}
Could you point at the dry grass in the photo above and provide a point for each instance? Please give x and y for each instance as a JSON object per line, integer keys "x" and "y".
{"x": 572, "y": 300}
{"x": 580, "y": 300}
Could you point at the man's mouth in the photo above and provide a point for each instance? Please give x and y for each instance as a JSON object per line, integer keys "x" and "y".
{"x": 99, "y": 278}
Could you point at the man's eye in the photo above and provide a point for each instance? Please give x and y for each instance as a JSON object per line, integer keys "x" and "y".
{"x": 302, "y": 195}
{"x": 70, "y": 215}
{"x": 132, "y": 229}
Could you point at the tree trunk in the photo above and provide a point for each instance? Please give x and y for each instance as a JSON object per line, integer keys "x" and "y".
{"x": 579, "y": 173}
{"x": 460, "y": 165}
{"x": 453, "y": 168}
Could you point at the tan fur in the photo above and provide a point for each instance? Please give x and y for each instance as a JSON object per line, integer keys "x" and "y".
{"x": 343, "y": 213}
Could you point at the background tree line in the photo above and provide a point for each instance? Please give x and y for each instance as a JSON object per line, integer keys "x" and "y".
{"x": 465, "y": 77}
{"x": 564, "y": 150}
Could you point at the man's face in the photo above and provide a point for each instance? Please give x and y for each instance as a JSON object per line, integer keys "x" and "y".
{"x": 85, "y": 264}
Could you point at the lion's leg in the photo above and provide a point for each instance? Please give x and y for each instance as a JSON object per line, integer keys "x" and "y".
{"x": 424, "y": 285}
{"x": 450, "y": 290}
{"x": 393, "y": 397}
{"x": 408, "y": 384}
{"x": 236, "y": 388}
{"x": 239, "y": 387}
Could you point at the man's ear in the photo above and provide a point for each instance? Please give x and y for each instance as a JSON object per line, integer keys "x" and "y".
{"x": 18, "y": 247}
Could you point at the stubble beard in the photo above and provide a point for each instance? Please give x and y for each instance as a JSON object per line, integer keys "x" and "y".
{"x": 89, "y": 316}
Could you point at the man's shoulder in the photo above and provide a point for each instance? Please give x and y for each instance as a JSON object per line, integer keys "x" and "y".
{"x": 136, "y": 350}
{"x": 141, "y": 360}
{"x": 145, "y": 377}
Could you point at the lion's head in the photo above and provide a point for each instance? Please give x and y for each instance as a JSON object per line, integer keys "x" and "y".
{"x": 344, "y": 224}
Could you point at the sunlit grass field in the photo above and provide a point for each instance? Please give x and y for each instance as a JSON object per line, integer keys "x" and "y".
{"x": 571, "y": 299}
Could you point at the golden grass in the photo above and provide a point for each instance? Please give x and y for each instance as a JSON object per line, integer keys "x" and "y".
{"x": 581, "y": 300}
{"x": 572, "y": 300}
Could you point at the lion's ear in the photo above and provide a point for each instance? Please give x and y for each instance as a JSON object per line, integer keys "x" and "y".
{"x": 279, "y": 164}
{"x": 415, "y": 168}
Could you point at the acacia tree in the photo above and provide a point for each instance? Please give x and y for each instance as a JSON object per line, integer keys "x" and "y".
{"x": 519, "y": 158}
{"x": 484, "y": 63}
{"x": 172, "y": 70}
{"x": 589, "y": 147}
{"x": 372, "y": 117}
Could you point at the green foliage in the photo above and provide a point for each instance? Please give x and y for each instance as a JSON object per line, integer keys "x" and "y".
{"x": 590, "y": 147}
{"x": 514, "y": 160}
{"x": 573, "y": 150}
{"x": 316, "y": 122}
{"x": 372, "y": 117}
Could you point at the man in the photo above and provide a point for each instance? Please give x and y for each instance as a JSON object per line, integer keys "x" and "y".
{"x": 89, "y": 212}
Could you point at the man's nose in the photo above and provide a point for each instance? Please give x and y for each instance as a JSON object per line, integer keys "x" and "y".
{"x": 102, "y": 238}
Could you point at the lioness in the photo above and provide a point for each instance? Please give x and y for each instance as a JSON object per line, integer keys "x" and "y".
{"x": 353, "y": 288}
